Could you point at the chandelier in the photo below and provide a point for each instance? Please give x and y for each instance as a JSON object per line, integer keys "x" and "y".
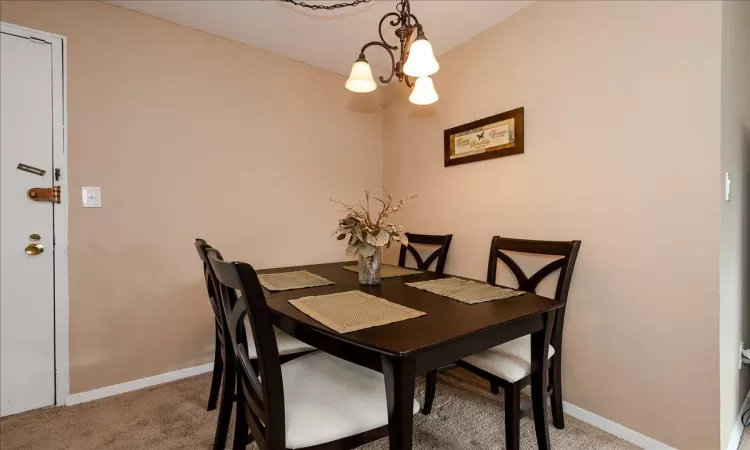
{"x": 415, "y": 63}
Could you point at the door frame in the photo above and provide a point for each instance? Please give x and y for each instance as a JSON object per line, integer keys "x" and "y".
{"x": 60, "y": 211}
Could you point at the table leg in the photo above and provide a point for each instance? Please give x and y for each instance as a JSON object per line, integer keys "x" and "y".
{"x": 400, "y": 376}
{"x": 540, "y": 341}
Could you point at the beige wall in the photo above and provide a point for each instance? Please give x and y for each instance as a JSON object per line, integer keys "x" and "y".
{"x": 622, "y": 103}
{"x": 735, "y": 246}
{"x": 192, "y": 135}
{"x": 189, "y": 135}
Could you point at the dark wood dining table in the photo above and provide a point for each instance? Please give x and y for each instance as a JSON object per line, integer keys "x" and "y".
{"x": 449, "y": 331}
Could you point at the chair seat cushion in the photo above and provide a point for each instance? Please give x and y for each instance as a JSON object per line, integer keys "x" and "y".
{"x": 327, "y": 398}
{"x": 287, "y": 345}
{"x": 510, "y": 361}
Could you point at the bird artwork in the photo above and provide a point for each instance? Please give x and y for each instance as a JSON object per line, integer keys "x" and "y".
{"x": 480, "y": 136}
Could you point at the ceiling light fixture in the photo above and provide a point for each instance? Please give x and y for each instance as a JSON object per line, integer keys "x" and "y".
{"x": 416, "y": 61}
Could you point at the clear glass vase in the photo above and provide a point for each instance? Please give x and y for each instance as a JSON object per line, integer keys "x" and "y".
{"x": 369, "y": 268}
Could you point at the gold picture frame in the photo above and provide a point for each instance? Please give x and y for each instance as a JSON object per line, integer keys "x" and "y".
{"x": 491, "y": 137}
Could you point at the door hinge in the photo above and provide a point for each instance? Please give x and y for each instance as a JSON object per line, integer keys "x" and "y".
{"x": 37, "y": 40}
{"x": 45, "y": 194}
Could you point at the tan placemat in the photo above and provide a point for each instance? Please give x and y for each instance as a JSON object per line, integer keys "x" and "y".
{"x": 465, "y": 290}
{"x": 350, "y": 311}
{"x": 286, "y": 281}
{"x": 388, "y": 271}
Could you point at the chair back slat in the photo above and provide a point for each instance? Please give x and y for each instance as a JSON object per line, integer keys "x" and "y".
{"x": 440, "y": 254}
{"x": 263, "y": 400}
{"x": 515, "y": 269}
{"x": 532, "y": 283}
{"x": 568, "y": 252}
{"x": 257, "y": 429}
{"x": 236, "y": 324}
{"x": 553, "y": 248}
{"x": 253, "y": 386}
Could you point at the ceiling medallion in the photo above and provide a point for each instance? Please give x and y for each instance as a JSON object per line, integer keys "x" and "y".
{"x": 416, "y": 61}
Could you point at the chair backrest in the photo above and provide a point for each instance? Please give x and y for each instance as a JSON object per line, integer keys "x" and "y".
{"x": 567, "y": 250}
{"x": 219, "y": 317}
{"x": 264, "y": 401}
{"x": 440, "y": 254}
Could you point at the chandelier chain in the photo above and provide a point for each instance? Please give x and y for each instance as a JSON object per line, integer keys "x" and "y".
{"x": 326, "y": 7}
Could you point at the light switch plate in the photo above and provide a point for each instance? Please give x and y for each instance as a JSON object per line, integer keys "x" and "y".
{"x": 727, "y": 186}
{"x": 91, "y": 197}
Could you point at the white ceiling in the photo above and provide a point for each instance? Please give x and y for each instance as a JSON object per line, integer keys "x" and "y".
{"x": 330, "y": 40}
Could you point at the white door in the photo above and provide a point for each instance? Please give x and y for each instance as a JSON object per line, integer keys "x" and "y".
{"x": 27, "y": 333}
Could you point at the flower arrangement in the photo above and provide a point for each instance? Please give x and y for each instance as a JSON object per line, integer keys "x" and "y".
{"x": 365, "y": 234}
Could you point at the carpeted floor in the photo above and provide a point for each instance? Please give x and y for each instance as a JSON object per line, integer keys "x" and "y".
{"x": 745, "y": 440}
{"x": 173, "y": 416}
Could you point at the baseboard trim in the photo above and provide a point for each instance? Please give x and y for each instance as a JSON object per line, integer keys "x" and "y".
{"x": 82, "y": 397}
{"x": 736, "y": 437}
{"x": 614, "y": 428}
{"x": 579, "y": 413}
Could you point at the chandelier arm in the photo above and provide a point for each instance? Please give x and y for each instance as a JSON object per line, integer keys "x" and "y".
{"x": 405, "y": 53}
{"x": 393, "y": 23}
{"x": 390, "y": 52}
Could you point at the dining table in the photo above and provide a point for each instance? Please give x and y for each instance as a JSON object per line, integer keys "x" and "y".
{"x": 448, "y": 331}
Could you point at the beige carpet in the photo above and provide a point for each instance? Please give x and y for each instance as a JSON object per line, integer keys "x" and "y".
{"x": 745, "y": 440}
{"x": 173, "y": 416}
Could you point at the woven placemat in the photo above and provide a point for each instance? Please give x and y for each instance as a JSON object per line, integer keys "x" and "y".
{"x": 286, "y": 281}
{"x": 350, "y": 311}
{"x": 388, "y": 271}
{"x": 465, "y": 290}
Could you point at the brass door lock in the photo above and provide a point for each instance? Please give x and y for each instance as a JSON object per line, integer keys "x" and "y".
{"x": 45, "y": 194}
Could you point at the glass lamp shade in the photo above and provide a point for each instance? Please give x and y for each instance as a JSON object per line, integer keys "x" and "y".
{"x": 421, "y": 61}
{"x": 424, "y": 92}
{"x": 361, "y": 79}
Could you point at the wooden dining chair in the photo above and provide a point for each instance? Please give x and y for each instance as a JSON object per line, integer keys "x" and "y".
{"x": 223, "y": 377}
{"x": 509, "y": 364}
{"x": 317, "y": 401}
{"x": 213, "y": 396}
{"x": 439, "y": 255}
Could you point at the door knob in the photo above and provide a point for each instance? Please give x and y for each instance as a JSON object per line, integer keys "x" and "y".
{"x": 34, "y": 249}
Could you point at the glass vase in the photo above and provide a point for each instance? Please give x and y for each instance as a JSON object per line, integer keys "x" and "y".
{"x": 369, "y": 268}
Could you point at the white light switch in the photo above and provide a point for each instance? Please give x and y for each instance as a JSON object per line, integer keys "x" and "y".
{"x": 727, "y": 186}
{"x": 91, "y": 196}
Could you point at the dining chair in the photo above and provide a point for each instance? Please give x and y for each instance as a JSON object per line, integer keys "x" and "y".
{"x": 223, "y": 377}
{"x": 316, "y": 401}
{"x": 213, "y": 396}
{"x": 440, "y": 254}
{"x": 509, "y": 364}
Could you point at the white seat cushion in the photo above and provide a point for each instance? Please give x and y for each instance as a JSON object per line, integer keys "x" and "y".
{"x": 286, "y": 344}
{"x": 327, "y": 398}
{"x": 510, "y": 361}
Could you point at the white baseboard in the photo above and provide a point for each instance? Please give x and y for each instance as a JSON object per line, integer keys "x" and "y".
{"x": 614, "y": 428}
{"x": 82, "y": 397}
{"x": 734, "y": 439}
{"x": 600, "y": 422}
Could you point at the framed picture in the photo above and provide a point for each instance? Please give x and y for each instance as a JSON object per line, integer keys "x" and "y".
{"x": 491, "y": 137}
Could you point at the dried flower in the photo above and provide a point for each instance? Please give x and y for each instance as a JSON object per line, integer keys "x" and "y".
{"x": 366, "y": 234}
